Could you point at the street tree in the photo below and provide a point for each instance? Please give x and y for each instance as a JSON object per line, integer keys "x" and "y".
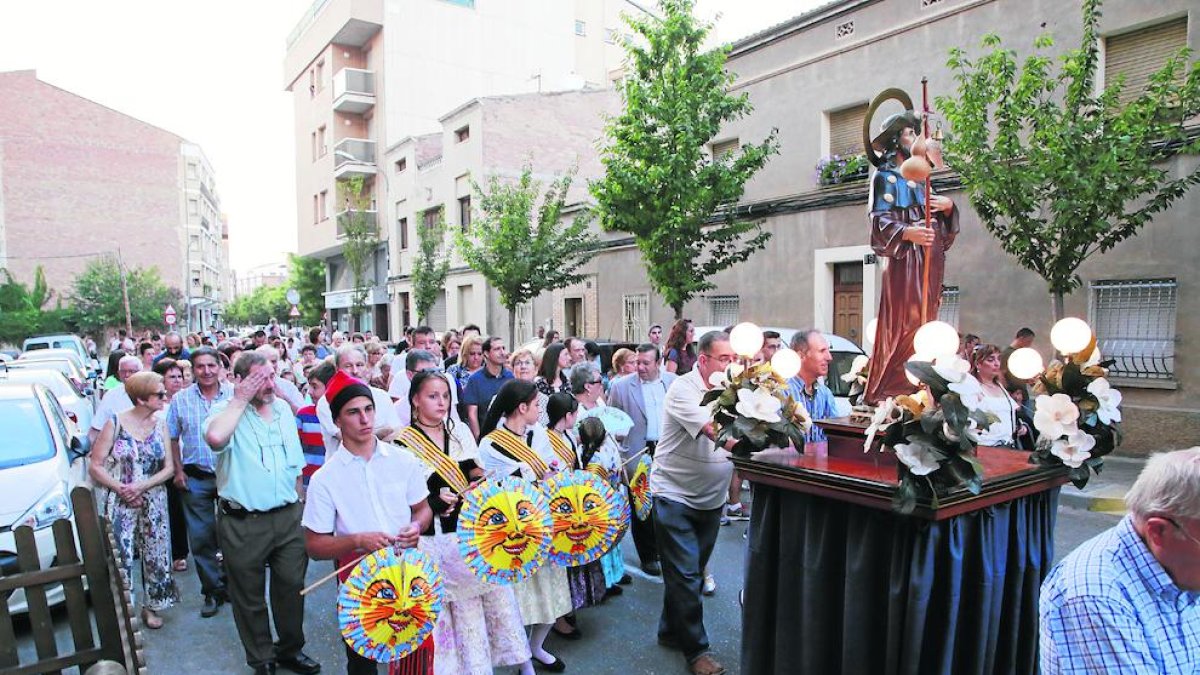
{"x": 307, "y": 276}
{"x": 360, "y": 235}
{"x": 258, "y": 307}
{"x": 23, "y": 310}
{"x": 97, "y": 303}
{"x": 430, "y": 267}
{"x": 1056, "y": 169}
{"x": 662, "y": 183}
{"x": 524, "y": 248}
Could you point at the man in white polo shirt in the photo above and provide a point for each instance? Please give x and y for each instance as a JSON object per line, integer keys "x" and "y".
{"x": 368, "y": 496}
{"x": 690, "y": 479}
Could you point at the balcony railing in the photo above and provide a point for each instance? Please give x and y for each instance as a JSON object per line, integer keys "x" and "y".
{"x": 343, "y": 220}
{"x": 354, "y": 157}
{"x": 353, "y": 90}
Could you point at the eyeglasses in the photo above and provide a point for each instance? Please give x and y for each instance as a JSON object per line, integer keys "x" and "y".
{"x": 595, "y": 381}
{"x": 1180, "y": 528}
{"x": 161, "y": 394}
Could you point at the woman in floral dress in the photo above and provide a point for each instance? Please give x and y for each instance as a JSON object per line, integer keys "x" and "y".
{"x": 132, "y": 462}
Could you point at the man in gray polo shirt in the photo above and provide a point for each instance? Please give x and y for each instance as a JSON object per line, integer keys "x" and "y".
{"x": 690, "y": 479}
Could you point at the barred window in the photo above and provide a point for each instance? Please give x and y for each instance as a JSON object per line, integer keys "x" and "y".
{"x": 1134, "y": 323}
{"x": 948, "y": 310}
{"x": 723, "y": 310}
{"x": 524, "y": 323}
{"x": 637, "y": 317}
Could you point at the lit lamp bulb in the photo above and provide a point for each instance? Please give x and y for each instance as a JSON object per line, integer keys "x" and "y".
{"x": 1070, "y": 335}
{"x": 916, "y": 357}
{"x": 1025, "y": 363}
{"x": 785, "y": 363}
{"x": 746, "y": 339}
{"x": 936, "y": 338}
{"x": 869, "y": 332}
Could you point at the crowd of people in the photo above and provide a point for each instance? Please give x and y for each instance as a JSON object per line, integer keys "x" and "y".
{"x": 266, "y": 451}
{"x": 270, "y": 450}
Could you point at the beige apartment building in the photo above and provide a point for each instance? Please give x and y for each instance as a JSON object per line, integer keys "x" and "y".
{"x": 79, "y": 180}
{"x": 812, "y": 77}
{"x": 367, "y": 74}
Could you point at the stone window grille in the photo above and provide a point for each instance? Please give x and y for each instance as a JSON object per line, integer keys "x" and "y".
{"x": 844, "y": 30}
{"x": 1134, "y": 323}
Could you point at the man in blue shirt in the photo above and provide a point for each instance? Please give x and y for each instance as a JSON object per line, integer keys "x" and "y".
{"x": 484, "y": 383}
{"x": 806, "y": 387}
{"x": 1128, "y": 600}
{"x": 195, "y": 470}
{"x": 259, "y": 466}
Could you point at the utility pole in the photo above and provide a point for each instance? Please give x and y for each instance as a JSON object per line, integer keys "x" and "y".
{"x": 125, "y": 295}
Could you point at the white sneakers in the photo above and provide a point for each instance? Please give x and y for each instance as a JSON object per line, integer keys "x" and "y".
{"x": 710, "y": 585}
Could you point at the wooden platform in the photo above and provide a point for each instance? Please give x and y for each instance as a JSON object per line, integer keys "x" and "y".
{"x": 842, "y": 470}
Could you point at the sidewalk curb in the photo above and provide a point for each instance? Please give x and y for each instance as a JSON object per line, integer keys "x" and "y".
{"x": 1102, "y": 494}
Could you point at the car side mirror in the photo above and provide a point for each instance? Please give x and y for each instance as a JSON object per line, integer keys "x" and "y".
{"x": 76, "y": 449}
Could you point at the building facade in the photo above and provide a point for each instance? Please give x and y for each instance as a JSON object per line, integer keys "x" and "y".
{"x": 79, "y": 181}
{"x": 367, "y": 74}
{"x": 270, "y": 274}
{"x": 812, "y": 78}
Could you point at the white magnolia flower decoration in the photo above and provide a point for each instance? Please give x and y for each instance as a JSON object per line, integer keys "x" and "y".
{"x": 856, "y": 368}
{"x": 735, "y": 369}
{"x": 1109, "y": 398}
{"x": 1075, "y": 449}
{"x": 886, "y": 412}
{"x": 918, "y": 457}
{"x": 759, "y": 404}
{"x": 801, "y": 417}
{"x": 718, "y": 380}
{"x": 951, "y": 368}
{"x": 969, "y": 391}
{"x": 1056, "y": 415}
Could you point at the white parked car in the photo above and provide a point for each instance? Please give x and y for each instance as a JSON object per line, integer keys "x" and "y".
{"x": 71, "y": 342}
{"x": 69, "y": 367}
{"x": 80, "y": 409}
{"x": 40, "y": 463}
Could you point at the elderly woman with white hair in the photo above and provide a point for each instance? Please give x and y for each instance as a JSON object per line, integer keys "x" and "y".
{"x": 1128, "y": 600}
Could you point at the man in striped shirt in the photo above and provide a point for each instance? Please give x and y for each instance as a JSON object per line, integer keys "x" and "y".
{"x": 1128, "y": 600}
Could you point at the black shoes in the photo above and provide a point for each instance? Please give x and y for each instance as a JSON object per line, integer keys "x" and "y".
{"x": 625, "y": 580}
{"x": 212, "y": 603}
{"x": 557, "y": 666}
{"x": 572, "y": 635}
{"x": 652, "y": 568}
{"x": 301, "y": 663}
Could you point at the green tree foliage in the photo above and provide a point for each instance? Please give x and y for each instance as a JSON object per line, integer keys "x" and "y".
{"x": 661, "y": 183}
{"x": 23, "y": 313}
{"x": 1057, "y": 171}
{"x": 361, "y": 240}
{"x": 430, "y": 268}
{"x": 307, "y": 276}
{"x": 522, "y": 248}
{"x": 259, "y": 307}
{"x": 97, "y": 303}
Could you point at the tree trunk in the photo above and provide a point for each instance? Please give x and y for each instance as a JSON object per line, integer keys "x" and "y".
{"x": 512, "y": 329}
{"x": 678, "y": 311}
{"x": 1056, "y": 298}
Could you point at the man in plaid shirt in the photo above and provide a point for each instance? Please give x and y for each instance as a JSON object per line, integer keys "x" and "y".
{"x": 1128, "y": 601}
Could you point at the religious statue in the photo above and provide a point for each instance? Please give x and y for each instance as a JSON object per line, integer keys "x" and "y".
{"x": 911, "y": 240}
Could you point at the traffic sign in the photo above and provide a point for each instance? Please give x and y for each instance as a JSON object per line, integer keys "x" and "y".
{"x": 169, "y": 316}
{"x": 293, "y": 296}
{"x": 295, "y": 311}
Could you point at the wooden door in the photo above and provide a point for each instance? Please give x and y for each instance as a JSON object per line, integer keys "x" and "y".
{"x": 847, "y": 300}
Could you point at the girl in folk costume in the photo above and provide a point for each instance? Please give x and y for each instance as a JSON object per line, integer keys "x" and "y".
{"x": 585, "y": 581}
{"x": 600, "y": 455}
{"x": 509, "y": 445}
{"x": 480, "y": 626}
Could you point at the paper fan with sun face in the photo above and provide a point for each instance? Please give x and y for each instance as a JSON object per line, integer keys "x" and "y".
{"x": 504, "y": 530}
{"x": 639, "y": 488}
{"x": 390, "y": 603}
{"x": 586, "y": 515}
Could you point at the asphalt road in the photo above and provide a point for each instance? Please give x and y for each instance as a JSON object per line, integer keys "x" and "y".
{"x": 619, "y": 636}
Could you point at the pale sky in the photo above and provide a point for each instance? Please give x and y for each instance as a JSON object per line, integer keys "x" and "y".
{"x": 212, "y": 72}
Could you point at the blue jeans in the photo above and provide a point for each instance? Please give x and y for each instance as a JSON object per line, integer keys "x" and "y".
{"x": 685, "y": 538}
{"x": 200, "y": 511}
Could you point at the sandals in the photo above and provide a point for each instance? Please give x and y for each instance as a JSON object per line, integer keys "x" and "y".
{"x": 180, "y": 565}
{"x": 150, "y": 619}
{"x": 705, "y": 664}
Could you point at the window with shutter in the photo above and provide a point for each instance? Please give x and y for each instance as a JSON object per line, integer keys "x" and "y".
{"x": 845, "y": 130}
{"x": 1139, "y": 54}
{"x": 722, "y": 148}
